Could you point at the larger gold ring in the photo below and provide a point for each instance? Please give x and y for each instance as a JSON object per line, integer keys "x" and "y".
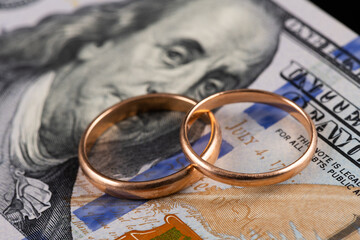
{"x": 249, "y": 179}
{"x": 153, "y": 188}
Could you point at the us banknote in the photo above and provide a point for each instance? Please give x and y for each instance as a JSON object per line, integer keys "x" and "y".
{"x": 63, "y": 62}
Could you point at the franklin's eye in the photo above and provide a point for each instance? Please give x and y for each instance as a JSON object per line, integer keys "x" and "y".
{"x": 215, "y": 81}
{"x": 180, "y": 52}
{"x": 175, "y": 56}
{"x": 210, "y": 86}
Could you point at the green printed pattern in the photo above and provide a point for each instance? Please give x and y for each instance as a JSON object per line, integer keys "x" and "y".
{"x": 172, "y": 234}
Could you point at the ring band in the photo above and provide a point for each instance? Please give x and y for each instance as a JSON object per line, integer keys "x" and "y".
{"x": 152, "y": 188}
{"x": 249, "y": 179}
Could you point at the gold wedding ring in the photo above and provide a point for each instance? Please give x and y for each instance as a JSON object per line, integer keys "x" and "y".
{"x": 248, "y": 179}
{"x": 152, "y": 188}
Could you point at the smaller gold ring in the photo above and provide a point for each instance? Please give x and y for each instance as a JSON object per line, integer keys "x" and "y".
{"x": 249, "y": 179}
{"x": 152, "y": 188}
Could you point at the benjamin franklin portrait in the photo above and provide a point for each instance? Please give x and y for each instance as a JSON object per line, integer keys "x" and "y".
{"x": 57, "y": 76}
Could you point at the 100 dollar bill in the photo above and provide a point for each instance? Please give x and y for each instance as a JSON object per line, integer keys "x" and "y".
{"x": 301, "y": 54}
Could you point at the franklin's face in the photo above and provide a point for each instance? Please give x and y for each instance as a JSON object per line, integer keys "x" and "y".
{"x": 199, "y": 49}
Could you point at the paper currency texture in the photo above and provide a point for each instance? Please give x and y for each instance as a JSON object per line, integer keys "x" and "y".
{"x": 63, "y": 62}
